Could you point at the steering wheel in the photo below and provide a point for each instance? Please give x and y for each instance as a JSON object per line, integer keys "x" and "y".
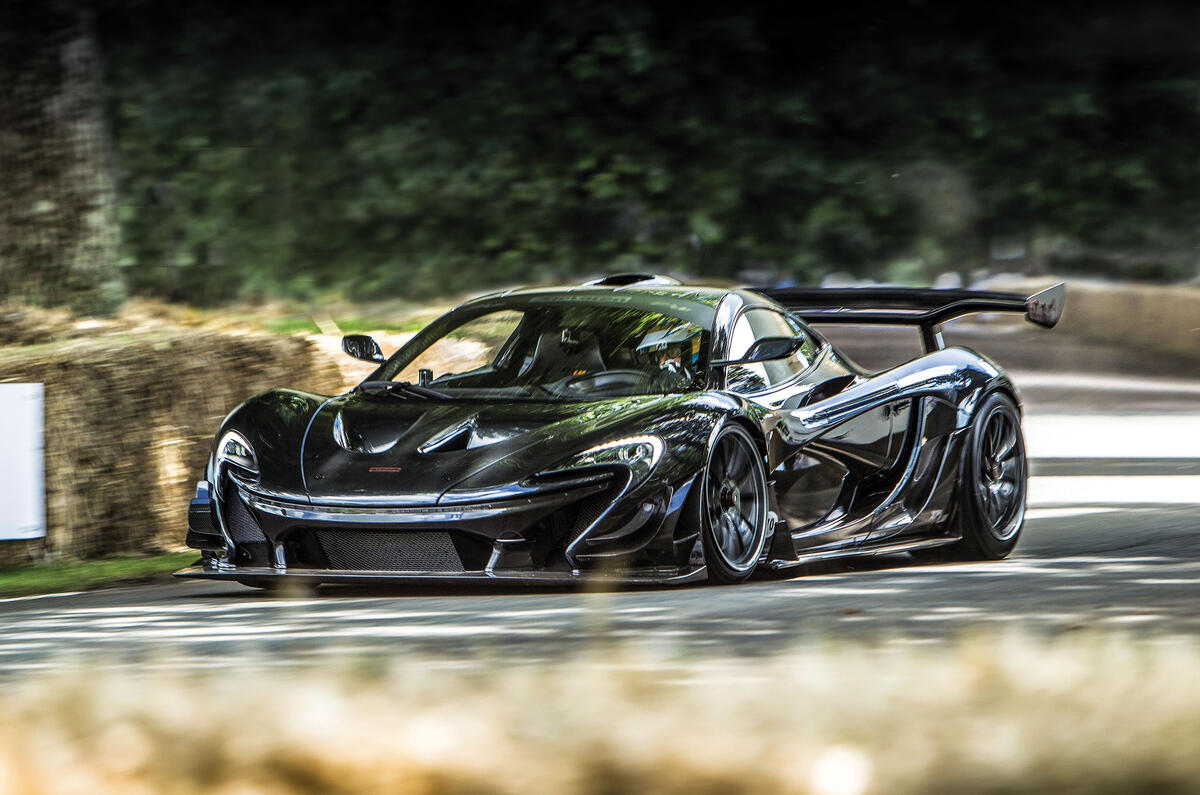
{"x": 606, "y": 379}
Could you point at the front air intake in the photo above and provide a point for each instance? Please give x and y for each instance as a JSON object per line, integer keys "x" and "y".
{"x": 249, "y": 540}
{"x": 366, "y": 550}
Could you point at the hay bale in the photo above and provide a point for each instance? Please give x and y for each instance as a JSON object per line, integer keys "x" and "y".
{"x": 30, "y": 325}
{"x": 128, "y": 425}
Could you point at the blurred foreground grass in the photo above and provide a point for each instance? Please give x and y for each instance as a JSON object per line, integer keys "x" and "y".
{"x": 82, "y": 575}
{"x": 1079, "y": 713}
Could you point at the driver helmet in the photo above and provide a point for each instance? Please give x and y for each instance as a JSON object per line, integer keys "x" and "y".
{"x": 663, "y": 347}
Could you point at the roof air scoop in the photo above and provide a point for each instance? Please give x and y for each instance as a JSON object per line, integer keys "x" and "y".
{"x": 626, "y": 279}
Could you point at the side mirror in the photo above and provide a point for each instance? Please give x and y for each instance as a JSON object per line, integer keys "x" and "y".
{"x": 361, "y": 346}
{"x": 766, "y": 349}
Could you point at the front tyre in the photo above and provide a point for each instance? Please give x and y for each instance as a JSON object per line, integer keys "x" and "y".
{"x": 733, "y": 504}
{"x": 993, "y": 482}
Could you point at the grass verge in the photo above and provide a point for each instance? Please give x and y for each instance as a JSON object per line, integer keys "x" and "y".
{"x": 1081, "y": 713}
{"x": 82, "y": 575}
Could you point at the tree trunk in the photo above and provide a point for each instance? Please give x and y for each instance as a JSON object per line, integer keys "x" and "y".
{"x": 58, "y": 232}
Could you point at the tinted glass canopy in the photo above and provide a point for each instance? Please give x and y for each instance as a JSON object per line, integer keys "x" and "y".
{"x": 562, "y": 346}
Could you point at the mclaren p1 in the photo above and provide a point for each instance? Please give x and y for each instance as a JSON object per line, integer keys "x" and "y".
{"x": 632, "y": 429}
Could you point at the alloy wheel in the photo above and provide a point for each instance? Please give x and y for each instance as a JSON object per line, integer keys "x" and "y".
{"x": 736, "y": 502}
{"x": 1001, "y": 474}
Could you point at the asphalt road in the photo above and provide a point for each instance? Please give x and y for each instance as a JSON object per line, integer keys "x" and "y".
{"x": 1112, "y": 540}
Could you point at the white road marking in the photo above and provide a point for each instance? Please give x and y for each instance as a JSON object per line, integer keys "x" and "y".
{"x": 1064, "y": 513}
{"x": 1112, "y": 435}
{"x": 1087, "y": 382}
{"x": 1108, "y": 435}
{"x": 40, "y": 596}
{"x": 1115, "y": 490}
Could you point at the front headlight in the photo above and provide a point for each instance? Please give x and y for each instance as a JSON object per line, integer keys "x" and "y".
{"x": 644, "y": 450}
{"x": 235, "y": 450}
{"x": 639, "y": 453}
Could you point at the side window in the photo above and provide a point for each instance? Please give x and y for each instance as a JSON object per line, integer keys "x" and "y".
{"x": 472, "y": 346}
{"x": 755, "y": 324}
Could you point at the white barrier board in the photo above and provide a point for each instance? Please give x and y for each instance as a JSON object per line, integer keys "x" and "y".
{"x": 22, "y": 467}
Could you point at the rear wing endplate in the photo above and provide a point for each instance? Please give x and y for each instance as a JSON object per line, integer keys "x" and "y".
{"x": 926, "y": 308}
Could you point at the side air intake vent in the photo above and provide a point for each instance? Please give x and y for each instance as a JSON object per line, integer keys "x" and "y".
{"x": 626, "y": 279}
{"x": 248, "y": 538}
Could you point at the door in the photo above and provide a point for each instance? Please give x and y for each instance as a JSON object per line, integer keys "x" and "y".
{"x": 816, "y": 483}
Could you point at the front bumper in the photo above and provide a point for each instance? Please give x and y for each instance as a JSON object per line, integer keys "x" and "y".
{"x": 267, "y": 576}
{"x": 588, "y": 527}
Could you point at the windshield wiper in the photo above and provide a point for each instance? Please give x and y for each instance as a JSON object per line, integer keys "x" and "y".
{"x": 403, "y": 388}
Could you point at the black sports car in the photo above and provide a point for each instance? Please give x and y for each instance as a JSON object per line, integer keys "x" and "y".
{"x": 633, "y": 429}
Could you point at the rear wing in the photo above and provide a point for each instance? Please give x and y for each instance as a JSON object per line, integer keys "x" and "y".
{"x": 926, "y": 308}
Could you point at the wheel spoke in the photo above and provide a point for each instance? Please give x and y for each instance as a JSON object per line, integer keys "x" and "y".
{"x": 729, "y": 538}
{"x": 735, "y": 533}
{"x": 993, "y": 437}
{"x": 745, "y": 534}
{"x": 1001, "y": 499}
{"x": 738, "y": 463}
{"x": 987, "y": 501}
{"x": 1008, "y": 443}
{"x": 995, "y": 509}
{"x": 749, "y": 500}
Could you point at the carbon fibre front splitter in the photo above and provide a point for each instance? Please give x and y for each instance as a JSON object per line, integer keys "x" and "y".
{"x": 270, "y": 575}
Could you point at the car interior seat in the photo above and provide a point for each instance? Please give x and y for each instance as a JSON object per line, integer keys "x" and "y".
{"x": 558, "y": 354}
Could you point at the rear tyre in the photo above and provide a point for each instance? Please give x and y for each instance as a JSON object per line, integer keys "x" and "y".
{"x": 733, "y": 507}
{"x": 992, "y": 484}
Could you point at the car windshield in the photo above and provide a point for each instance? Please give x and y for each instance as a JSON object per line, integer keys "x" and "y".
{"x": 555, "y": 351}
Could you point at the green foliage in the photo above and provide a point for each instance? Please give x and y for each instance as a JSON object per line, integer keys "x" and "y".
{"x": 293, "y": 325}
{"x": 76, "y": 575}
{"x": 410, "y": 150}
{"x": 357, "y": 324}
